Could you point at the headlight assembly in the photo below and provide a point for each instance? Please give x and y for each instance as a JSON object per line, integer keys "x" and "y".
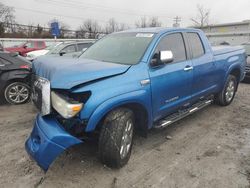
{"x": 65, "y": 108}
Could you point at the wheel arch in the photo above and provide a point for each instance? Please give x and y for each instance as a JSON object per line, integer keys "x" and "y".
{"x": 23, "y": 80}
{"x": 236, "y": 72}
{"x": 16, "y": 76}
{"x": 139, "y": 105}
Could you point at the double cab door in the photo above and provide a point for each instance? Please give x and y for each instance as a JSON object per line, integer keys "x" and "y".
{"x": 177, "y": 84}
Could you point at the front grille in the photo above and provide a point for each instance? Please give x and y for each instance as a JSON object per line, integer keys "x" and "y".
{"x": 41, "y": 94}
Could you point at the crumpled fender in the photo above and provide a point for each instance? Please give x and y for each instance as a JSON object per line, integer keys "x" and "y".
{"x": 48, "y": 140}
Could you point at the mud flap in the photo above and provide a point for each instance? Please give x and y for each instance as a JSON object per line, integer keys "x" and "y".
{"x": 48, "y": 140}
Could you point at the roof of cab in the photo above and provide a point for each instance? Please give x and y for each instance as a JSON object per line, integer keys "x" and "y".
{"x": 158, "y": 30}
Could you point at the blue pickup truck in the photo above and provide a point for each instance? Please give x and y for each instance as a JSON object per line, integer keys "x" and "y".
{"x": 126, "y": 83}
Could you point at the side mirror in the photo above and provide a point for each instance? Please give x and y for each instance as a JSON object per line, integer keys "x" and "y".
{"x": 161, "y": 58}
{"x": 166, "y": 56}
{"x": 62, "y": 53}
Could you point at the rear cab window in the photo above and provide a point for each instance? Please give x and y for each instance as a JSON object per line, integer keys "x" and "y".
{"x": 196, "y": 45}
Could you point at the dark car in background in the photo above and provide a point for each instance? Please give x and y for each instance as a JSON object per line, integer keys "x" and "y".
{"x": 247, "y": 48}
{"x": 69, "y": 49}
{"x": 15, "y": 74}
{"x": 26, "y": 47}
{"x": 1, "y": 47}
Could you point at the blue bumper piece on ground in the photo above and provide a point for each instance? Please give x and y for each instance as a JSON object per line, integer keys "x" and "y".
{"x": 48, "y": 140}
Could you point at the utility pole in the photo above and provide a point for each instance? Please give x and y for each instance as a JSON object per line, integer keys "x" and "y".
{"x": 177, "y": 21}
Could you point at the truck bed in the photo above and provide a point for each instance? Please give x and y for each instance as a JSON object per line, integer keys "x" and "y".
{"x": 219, "y": 50}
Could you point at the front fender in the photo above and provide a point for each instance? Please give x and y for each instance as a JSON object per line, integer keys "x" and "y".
{"x": 19, "y": 74}
{"x": 16, "y": 74}
{"x": 140, "y": 97}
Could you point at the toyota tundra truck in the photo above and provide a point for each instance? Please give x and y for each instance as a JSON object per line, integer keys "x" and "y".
{"x": 128, "y": 82}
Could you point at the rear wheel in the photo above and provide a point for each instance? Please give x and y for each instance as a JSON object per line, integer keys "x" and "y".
{"x": 226, "y": 96}
{"x": 116, "y": 138}
{"x": 17, "y": 93}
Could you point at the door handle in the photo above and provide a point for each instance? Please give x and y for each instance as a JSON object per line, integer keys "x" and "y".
{"x": 188, "y": 68}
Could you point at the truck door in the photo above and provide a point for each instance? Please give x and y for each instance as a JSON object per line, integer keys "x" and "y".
{"x": 171, "y": 83}
{"x": 204, "y": 67}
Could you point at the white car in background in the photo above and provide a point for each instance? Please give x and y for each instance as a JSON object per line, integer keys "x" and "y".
{"x": 34, "y": 54}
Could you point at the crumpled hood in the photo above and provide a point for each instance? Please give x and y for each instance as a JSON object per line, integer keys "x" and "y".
{"x": 65, "y": 73}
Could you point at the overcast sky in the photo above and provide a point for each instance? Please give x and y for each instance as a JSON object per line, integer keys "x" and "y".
{"x": 74, "y": 12}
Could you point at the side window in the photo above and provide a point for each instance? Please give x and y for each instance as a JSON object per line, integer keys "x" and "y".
{"x": 40, "y": 44}
{"x": 69, "y": 49}
{"x": 196, "y": 45}
{"x": 30, "y": 44}
{"x": 175, "y": 43}
{"x": 83, "y": 45}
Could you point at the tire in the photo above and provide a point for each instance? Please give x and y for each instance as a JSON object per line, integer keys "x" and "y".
{"x": 226, "y": 96}
{"x": 17, "y": 93}
{"x": 117, "y": 132}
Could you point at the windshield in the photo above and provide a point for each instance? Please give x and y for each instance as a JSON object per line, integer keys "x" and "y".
{"x": 247, "y": 47}
{"x": 122, "y": 48}
{"x": 20, "y": 45}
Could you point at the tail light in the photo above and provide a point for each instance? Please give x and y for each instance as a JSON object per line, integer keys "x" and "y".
{"x": 24, "y": 67}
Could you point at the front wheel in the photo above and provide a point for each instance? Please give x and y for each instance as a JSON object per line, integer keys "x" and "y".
{"x": 226, "y": 96}
{"x": 116, "y": 138}
{"x": 17, "y": 93}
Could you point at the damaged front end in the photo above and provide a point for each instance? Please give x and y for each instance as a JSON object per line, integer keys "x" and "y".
{"x": 48, "y": 140}
{"x": 50, "y": 137}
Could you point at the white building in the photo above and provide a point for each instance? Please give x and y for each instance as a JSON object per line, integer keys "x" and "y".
{"x": 233, "y": 33}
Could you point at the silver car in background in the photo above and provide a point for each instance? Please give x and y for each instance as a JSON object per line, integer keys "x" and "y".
{"x": 69, "y": 49}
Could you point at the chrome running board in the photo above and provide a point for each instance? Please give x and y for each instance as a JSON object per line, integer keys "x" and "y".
{"x": 182, "y": 113}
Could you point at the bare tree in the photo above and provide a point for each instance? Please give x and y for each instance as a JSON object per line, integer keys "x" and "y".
{"x": 7, "y": 18}
{"x": 123, "y": 26}
{"x": 202, "y": 18}
{"x": 89, "y": 28}
{"x": 64, "y": 28}
{"x": 154, "y": 22}
{"x": 141, "y": 23}
{"x": 111, "y": 26}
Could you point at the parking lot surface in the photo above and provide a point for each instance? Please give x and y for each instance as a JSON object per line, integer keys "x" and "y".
{"x": 211, "y": 148}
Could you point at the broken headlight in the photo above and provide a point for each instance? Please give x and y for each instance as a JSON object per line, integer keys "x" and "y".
{"x": 65, "y": 107}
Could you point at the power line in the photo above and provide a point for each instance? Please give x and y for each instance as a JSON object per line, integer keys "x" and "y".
{"x": 60, "y": 15}
{"x": 177, "y": 21}
{"x": 76, "y": 4}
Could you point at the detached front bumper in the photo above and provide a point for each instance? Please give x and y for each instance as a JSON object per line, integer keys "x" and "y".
{"x": 48, "y": 139}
